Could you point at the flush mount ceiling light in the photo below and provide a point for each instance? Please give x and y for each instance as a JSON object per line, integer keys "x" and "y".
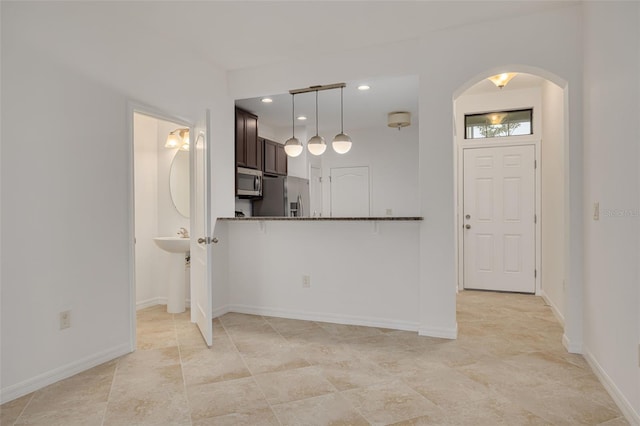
{"x": 317, "y": 145}
{"x": 501, "y": 80}
{"x": 399, "y": 119}
{"x": 267, "y": 100}
{"x": 363, "y": 87}
{"x": 341, "y": 142}
{"x": 179, "y": 138}
{"x": 293, "y": 147}
{"x": 302, "y": 117}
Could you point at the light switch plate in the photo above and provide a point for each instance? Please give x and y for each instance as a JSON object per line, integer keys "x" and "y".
{"x": 596, "y": 210}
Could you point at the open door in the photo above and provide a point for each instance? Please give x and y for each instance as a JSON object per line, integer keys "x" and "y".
{"x": 202, "y": 231}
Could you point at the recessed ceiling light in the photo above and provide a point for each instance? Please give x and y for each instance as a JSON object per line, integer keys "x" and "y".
{"x": 363, "y": 87}
{"x": 267, "y": 100}
{"x": 302, "y": 117}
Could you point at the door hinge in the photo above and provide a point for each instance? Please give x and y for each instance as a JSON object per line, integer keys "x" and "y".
{"x": 320, "y": 179}
{"x": 535, "y": 218}
{"x": 535, "y": 164}
{"x": 535, "y": 273}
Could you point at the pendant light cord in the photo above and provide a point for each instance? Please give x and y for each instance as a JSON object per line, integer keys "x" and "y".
{"x": 316, "y": 113}
{"x": 293, "y": 116}
{"x": 341, "y": 112}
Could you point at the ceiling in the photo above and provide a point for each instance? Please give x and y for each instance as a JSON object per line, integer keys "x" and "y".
{"x": 362, "y": 109}
{"x": 135, "y": 46}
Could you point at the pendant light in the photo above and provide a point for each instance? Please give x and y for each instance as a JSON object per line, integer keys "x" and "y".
{"x": 316, "y": 144}
{"x": 341, "y": 142}
{"x": 293, "y": 147}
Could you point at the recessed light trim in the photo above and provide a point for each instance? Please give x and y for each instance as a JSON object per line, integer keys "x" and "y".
{"x": 364, "y": 87}
{"x": 267, "y": 100}
{"x": 302, "y": 117}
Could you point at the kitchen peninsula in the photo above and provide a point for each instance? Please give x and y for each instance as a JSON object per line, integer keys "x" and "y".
{"x": 348, "y": 270}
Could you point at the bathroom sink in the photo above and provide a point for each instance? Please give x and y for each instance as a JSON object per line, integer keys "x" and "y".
{"x": 173, "y": 244}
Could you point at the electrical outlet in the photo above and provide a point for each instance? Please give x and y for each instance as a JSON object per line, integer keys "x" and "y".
{"x": 596, "y": 211}
{"x": 65, "y": 319}
{"x": 306, "y": 281}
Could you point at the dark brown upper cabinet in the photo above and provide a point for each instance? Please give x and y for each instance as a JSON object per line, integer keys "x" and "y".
{"x": 248, "y": 148}
{"x": 275, "y": 159}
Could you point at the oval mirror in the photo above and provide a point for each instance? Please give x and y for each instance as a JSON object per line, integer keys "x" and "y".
{"x": 179, "y": 182}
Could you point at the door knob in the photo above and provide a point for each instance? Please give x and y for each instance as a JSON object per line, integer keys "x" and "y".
{"x": 201, "y": 241}
{"x": 467, "y": 226}
{"x": 214, "y": 240}
{"x": 468, "y": 216}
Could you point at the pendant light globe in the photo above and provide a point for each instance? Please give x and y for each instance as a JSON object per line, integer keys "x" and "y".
{"x": 317, "y": 145}
{"x": 341, "y": 143}
{"x": 293, "y": 147}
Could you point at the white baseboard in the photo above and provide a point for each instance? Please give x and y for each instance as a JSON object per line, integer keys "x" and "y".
{"x": 157, "y": 301}
{"x": 621, "y": 401}
{"x": 554, "y": 308}
{"x": 151, "y": 302}
{"x": 571, "y": 347}
{"x": 218, "y": 312}
{"x": 45, "y": 379}
{"x": 440, "y": 332}
{"x": 325, "y": 317}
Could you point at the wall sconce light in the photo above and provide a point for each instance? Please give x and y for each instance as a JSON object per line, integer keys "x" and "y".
{"x": 501, "y": 80}
{"x": 179, "y": 138}
{"x": 317, "y": 145}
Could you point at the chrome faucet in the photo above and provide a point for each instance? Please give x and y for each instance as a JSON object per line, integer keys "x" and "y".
{"x": 183, "y": 233}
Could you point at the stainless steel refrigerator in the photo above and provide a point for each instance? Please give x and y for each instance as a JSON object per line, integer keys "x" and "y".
{"x": 283, "y": 196}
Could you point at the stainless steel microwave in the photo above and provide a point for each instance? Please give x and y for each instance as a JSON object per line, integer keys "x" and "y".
{"x": 248, "y": 183}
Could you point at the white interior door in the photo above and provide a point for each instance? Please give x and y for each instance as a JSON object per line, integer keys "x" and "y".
{"x": 499, "y": 218}
{"x": 315, "y": 192}
{"x": 202, "y": 232}
{"x": 350, "y": 192}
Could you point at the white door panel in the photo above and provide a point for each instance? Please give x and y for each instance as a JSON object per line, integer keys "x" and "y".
{"x": 201, "y": 230}
{"x": 498, "y": 218}
{"x": 350, "y": 192}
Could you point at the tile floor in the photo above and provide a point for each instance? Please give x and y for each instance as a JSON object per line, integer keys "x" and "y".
{"x": 507, "y": 367}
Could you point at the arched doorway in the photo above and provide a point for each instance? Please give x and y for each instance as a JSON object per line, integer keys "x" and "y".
{"x": 542, "y": 262}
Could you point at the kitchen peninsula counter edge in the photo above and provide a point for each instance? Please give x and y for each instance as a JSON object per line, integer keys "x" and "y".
{"x": 318, "y": 219}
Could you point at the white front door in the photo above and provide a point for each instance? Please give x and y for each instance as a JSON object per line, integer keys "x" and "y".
{"x": 499, "y": 218}
{"x": 202, "y": 232}
{"x": 350, "y": 192}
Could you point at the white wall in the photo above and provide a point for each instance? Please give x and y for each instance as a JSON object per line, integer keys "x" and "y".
{"x": 612, "y": 93}
{"x": 392, "y": 158}
{"x": 361, "y": 272}
{"x": 145, "y": 135}
{"x": 65, "y": 221}
{"x": 67, "y": 211}
{"x": 553, "y": 196}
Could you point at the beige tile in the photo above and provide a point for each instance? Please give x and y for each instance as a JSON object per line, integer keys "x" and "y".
{"x": 242, "y": 396}
{"x": 341, "y": 331}
{"x": 390, "y": 402}
{"x": 141, "y": 361}
{"x": 446, "y": 387}
{"x": 78, "y": 414}
{"x": 153, "y": 407}
{"x": 618, "y": 421}
{"x": 233, "y": 318}
{"x": 271, "y": 360}
{"x": 292, "y": 385}
{"x": 258, "y": 417}
{"x": 353, "y": 373}
{"x": 330, "y": 409}
{"x": 10, "y": 411}
{"x": 207, "y": 366}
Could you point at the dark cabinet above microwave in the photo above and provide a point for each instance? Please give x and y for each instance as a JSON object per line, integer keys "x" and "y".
{"x": 248, "y": 147}
{"x": 275, "y": 159}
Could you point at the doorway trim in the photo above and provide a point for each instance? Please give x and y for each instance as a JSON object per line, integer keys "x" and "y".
{"x": 459, "y": 167}
{"x": 132, "y": 108}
